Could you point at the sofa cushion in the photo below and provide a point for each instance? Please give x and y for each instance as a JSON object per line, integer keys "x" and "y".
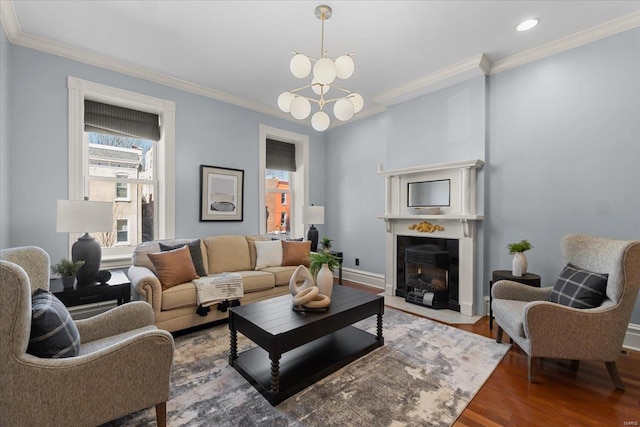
{"x": 296, "y": 253}
{"x": 174, "y": 267}
{"x": 227, "y": 254}
{"x": 196, "y": 254}
{"x": 282, "y": 274}
{"x": 579, "y": 288}
{"x": 53, "y": 332}
{"x": 252, "y": 246}
{"x": 268, "y": 254}
{"x": 182, "y": 295}
{"x": 253, "y": 281}
{"x": 140, "y": 253}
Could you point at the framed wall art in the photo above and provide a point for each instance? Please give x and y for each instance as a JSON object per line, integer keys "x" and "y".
{"x": 221, "y": 194}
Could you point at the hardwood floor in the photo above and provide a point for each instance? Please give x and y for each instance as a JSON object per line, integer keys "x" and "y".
{"x": 562, "y": 396}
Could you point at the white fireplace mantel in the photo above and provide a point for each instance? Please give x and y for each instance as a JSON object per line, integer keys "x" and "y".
{"x": 458, "y": 220}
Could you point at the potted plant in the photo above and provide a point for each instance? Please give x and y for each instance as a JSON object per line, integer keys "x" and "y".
{"x": 519, "y": 263}
{"x": 67, "y": 269}
{"x": 326, "y": 244}
{"x": 322, "y": 265}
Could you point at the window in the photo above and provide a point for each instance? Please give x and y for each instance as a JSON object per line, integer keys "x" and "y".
{"x": 122, "y": 231}
{"x": 121, "y": 150}
{"x": 284, "y": 160}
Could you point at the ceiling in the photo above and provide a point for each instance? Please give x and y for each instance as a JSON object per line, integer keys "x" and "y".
{"x": 239, "y": 51}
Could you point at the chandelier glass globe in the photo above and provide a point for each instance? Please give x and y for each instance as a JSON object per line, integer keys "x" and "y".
{"x": 300, "y": 65}
{"x": 324, "y": 71}
{"x": 343, "y": 109}
{"x": 284, "y": 101}
{"x": 344, "y": 67}
{"x": 320, "y": 121}
{"x": 319, "y": 89}
{"x": 357, "y": 100}
{"x": 300, "y": 107}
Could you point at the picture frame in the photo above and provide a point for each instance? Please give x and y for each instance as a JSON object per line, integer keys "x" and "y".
{"x": 221, "y": 193}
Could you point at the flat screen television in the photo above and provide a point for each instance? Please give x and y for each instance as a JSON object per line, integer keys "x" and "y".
{"x": 429, "y": 193}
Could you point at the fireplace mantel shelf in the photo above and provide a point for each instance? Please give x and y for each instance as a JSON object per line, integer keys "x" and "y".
{"x": 468, "y": 217}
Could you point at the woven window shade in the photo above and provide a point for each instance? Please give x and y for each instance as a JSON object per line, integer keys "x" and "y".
{"x": 114, "y": 120}
{"x": 281, "y": 156}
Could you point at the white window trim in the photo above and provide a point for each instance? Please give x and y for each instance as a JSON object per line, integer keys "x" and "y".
{"x": 126, "y": 242}
{"x": 126, "y": 198}
{"x": 78, "y": 90}
{"x": 302, "y": 167}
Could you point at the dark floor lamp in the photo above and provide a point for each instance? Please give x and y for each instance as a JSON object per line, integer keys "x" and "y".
{"x": 313, "y": 215}
{"x": 83, "y": 216}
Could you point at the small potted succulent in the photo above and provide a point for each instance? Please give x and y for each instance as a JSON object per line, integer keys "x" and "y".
{"x": 519, "y": 263}
{"x": 67, "y": 270}
{"x": 326, "y": 244}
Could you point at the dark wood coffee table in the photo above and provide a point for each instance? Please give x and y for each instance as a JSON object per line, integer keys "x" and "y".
{"x": 297, "y": 349}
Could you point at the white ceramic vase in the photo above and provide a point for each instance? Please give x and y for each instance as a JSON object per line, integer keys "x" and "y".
{"x": 519, "y": 264}
{"x": 324, "y": 280}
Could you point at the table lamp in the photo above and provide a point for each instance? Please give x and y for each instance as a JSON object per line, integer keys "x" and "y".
{"x": 83, "y": 216}
{"x": 312, "y": 215}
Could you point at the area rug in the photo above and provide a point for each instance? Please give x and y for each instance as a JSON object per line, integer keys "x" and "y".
{"x": 425, "y": 375}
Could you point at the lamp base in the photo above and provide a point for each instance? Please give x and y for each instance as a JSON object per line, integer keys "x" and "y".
{"x": 312, "y": 236}
{"x": 87, "y": 249}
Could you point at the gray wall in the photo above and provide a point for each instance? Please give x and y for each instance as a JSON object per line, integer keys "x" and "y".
{"x": 4, "y": 138}
{"x": 207, "y": 132}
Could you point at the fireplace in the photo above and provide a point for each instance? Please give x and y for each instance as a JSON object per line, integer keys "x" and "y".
{"x": 428, "y": 271}
{"x": 451, "y": 232}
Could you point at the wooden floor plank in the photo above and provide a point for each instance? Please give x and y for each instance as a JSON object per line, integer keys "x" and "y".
{"x": 561, "y": 396}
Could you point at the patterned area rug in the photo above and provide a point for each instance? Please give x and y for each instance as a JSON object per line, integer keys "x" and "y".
{"x": 425, "y": 375}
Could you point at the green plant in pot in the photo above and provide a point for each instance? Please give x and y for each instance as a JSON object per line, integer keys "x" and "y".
{"x": 519, "y": 263}
{"x": 322, "y": 265}
{"x": 67, "y": 269}
{"x": 326, "y": 244}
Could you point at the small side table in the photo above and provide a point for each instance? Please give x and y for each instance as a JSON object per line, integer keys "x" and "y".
{"x": 117, "y": 288}
{"x": 526, "y": 279}
{"x": 340, "y": 259}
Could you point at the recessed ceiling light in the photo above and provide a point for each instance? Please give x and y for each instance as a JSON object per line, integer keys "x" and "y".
{"x": 528, "y": 24}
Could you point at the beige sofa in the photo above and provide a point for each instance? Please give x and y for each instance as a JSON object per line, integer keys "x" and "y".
{"x": 175, "y": 308}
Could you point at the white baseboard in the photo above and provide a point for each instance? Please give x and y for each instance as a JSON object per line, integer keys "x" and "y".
{"x": 632, "y": 338}
{"x": 363, "y": 277}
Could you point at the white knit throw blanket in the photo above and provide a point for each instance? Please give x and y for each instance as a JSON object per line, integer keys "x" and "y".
{"x": 216, "y": 288}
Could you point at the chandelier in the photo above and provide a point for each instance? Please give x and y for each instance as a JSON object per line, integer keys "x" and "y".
{"x": 325, "y": 72}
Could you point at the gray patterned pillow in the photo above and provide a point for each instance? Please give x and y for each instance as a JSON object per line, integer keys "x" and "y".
{"x": 579, "y": 288}
{"x": 53, "y": 333}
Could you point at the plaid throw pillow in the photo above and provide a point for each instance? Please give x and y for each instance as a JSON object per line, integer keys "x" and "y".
{"x": 579, "y": 288}
{"x": 53, "y": 333}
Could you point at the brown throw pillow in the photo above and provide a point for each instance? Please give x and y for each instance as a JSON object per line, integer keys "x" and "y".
{"x": 296, "y": 253}
{"x": 174, "y": 267}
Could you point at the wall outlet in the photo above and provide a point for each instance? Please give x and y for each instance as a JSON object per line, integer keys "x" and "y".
{"x": 357, "y": 261}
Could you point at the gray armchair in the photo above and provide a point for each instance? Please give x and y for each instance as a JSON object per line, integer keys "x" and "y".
{"x": 546, "y": 329}
{"x": 123, "y": 365}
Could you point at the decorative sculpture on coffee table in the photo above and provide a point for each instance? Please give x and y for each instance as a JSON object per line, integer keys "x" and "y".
{"x": 307, "y": 296}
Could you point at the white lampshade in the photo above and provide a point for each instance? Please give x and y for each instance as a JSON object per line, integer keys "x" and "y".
{"x": 357, "y": 100}
{"x": 312, "y": 214}
{"x": 300, "y": 65}
{"x": 300, "y": 107}
{"x": 318, "y": 89}
{"x": 320, "y": 121}
{"x": 83, "y": 216}
{"x": 324, "y": 71}
{"x": 344, "y": 67}
{"x": 343, "y": 109}
{"x": 284, "y": 101}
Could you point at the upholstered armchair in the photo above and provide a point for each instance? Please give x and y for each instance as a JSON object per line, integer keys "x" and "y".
{"x": 123, "y": 365}
{"x": 548, "y": 329}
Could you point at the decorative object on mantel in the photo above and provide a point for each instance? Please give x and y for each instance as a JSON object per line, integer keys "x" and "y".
{"x": 325, "y": 71}
{"x": 426, "y": 227}
{"x": 519, "y": 263}
{"x": 67, "y": 270}
{"x": 425, "y": 211}
{"x": 307, "y": 296}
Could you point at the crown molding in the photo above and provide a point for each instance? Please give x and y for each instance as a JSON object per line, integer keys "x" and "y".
{"x": 468, "y": 69}
{"x": 9, "y": 20}
{"x": 578, "y": 39}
